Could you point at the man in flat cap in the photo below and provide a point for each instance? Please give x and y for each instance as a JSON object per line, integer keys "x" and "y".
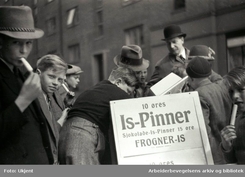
{"x": 24, "y": 132}
{"x": 177, "y": 57}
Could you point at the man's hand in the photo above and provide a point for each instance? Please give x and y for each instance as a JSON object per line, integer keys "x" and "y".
{"x": 63, "y": 117}
{"x": 29, "y": 91}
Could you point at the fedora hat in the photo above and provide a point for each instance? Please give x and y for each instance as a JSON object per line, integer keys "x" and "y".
{"x": 172, "y": 31}
{"x": 202, "y": 51}
{"x": 131, "y": 56}
{"x": 17, "y": 22}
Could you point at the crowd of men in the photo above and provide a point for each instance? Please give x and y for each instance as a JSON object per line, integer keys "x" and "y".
{"x": 42, "y": 122}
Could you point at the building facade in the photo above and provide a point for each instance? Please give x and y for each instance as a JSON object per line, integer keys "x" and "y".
{"x": 90, "y": 33}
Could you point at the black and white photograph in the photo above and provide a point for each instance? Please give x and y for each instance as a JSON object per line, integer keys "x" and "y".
{"x": 145, "y": 87}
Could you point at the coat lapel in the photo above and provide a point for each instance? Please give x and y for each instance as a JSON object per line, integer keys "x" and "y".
{"x": 59, "y": 100}
{"x": 46, "y": 112}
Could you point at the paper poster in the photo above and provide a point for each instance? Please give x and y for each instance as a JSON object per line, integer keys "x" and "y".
{"x": 174, "y": 85}
{"x": 161, "y": 130}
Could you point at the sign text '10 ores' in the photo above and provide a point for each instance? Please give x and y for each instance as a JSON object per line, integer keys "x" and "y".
{"x": 159, "y": 130}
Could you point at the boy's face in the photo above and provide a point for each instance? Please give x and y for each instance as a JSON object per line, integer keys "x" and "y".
{"x": 238, "y": 97}
{"x": 73, "y": 80}
{"x": 51, "y": 80}
{"x": 13, "y": 49}
{"x": 141, "y": 76}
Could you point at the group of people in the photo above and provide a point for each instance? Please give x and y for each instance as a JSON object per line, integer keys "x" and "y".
{"x": 43, "y": 122}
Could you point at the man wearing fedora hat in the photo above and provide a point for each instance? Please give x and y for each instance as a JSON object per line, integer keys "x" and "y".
{"x": 216, "y": 105}
{"x": 177, "y": 57}
{"x": 24, "y": 131}
{"x": 131, "y": 56}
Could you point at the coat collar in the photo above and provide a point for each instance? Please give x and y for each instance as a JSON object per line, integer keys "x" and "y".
{"x": 174, "y": 57}
{"x": 59, "y": 100}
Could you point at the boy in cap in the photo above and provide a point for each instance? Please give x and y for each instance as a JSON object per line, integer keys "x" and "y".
{"x": 84, "y": 136}
{"x": 71, "y": 82}
{"x": 24, "y": 129}
{"x": 216, "y": 106}
{"x": 177, "y": 57}
{"x": 131, "y": 56}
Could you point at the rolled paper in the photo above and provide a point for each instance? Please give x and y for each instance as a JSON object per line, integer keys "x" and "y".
{"x": 233, "y": 115}
{"x": 26, "y": 64}
{"x": 65, "y": 88}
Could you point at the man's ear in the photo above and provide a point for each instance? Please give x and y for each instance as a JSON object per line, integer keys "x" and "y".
{"x": 118, "y": 81}
{"x": 38, "y": 71}
{"x": 183, "y": 39}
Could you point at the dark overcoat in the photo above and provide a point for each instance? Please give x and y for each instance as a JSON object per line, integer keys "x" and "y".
{"x": 24, "y": 136}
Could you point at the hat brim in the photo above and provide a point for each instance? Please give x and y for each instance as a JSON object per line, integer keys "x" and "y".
{"x": 145, "y": 64}
{"x": 74, "y": 73}
{"x": 205, "y": 57}
{"x": 38, "y": 33}
{"x": 176, "y": 35}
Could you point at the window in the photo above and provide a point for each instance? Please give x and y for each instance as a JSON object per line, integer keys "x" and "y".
{"x": 236, "y": 52}
{"x": 72, "y": 17}
{"x": 98, "y": 68}
{"x": 51, "y": 26}
{"x": 134, "y": 36}
{"x": 179, "y": 4}
{"x": 73, "y": 53}
{"x": 99, "y": 21}
{"x": 127, "y": 2}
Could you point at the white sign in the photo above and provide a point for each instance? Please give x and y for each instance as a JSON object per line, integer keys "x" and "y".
{"x": 167, "y": 129}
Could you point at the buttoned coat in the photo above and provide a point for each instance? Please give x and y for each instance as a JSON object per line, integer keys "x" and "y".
{"x": 165, "y": 66}
{"x": 53, "y": 125}
{"x": 24, "y": 137}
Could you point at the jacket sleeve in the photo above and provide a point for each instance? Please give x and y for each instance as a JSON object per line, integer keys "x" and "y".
{"x": 11, "y": 119}
{"x": 206, "y": 114}
{"x": 229, "y": 155}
